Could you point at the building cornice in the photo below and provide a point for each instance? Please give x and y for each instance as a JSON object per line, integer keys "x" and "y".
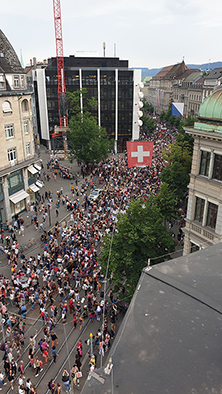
{"x": 195, "y": 133}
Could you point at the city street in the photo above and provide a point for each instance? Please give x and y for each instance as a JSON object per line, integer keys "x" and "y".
{"x": 67, "y": 336}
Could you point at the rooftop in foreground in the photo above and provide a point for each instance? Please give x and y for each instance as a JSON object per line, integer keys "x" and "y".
{"x": 169, "y": 341}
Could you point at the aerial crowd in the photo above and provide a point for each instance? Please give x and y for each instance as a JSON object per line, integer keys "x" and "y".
{"x": 64, "y": 280}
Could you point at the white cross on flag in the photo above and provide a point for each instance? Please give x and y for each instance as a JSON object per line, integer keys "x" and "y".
{"x": 139, "y": 153}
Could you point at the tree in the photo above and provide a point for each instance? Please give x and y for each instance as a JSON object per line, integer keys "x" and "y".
{"x": 149, "y": 124}
{"x": 148, "y": 107}
{"x": 141, "y": 235}
{"x": 177, "y": 178}
{"x": 180, "y": 152}
{"x": 87, "y": 141}
{"x": 166, "y": 201}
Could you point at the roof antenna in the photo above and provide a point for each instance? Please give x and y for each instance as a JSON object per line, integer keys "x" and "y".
{"x": 114, "y": 50}
{"x": 21, "y": 61}
{"x": 104, "y": 49}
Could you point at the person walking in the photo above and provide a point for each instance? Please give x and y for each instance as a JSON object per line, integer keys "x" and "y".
{"x": 54, "y": 354}
{"x": 65, "y": 379}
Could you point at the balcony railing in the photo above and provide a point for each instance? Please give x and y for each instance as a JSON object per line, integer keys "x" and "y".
{"x": 205, "y": 232}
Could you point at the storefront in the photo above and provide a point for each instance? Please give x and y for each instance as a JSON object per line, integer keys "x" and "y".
{"x": 18, "y": 202}
{"x": 32, "y": 190}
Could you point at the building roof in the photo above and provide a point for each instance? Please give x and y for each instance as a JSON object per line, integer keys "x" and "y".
{"x": 162, "y": 72}
{"x": 215, "y": 74}
{"x": 9, "y": 61}
{"x": 211, "y": 108}
{"x": 169, "y": 341}
{"x": 191, "y": 77}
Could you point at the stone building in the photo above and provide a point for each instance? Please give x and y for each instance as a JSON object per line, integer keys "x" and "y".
{"x": 204, "y": 213}
{"x": 17, "y": 152}
{"x": 160, "y": 90}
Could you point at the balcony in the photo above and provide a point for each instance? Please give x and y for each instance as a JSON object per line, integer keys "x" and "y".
{"x": 205, "y": 232}
{"x": 17, "y": 165}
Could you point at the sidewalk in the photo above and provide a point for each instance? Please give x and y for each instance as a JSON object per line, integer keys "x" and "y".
{"x": 53, "y": 186}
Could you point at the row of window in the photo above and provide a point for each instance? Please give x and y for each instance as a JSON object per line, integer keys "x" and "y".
{"x": 12, "y": 153}
{"x": 205, "y": 165}
{"x": 212, "y": 210}
{"x": 7, "y": 106}
{"x": 9, "y": 129}
{"x": 19, "y": 81}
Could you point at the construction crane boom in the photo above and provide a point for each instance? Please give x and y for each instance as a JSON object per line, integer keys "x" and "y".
{"x": 63, "y": 118}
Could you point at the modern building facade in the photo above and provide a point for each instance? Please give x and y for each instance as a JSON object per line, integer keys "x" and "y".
{"x": 115, "y": 87}
{"x": 204, "y": 213}
{"x": 17, "y": 151}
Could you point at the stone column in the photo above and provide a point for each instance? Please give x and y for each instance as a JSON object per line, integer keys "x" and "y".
{"x": 211, "y": 166}
{"x": 8, "y": 214}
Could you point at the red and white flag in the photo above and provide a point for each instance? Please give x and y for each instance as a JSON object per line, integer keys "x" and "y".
{"x": 139, "y": 153}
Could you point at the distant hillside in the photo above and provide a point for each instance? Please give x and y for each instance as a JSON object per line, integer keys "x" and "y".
{"x": 146, "y": 72}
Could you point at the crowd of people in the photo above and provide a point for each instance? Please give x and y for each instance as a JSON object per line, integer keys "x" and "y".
{"x": 65, "y": 279}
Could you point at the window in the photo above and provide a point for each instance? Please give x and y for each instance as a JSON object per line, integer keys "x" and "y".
{"x": 26, "y": 126}
{"x": 217, "y": 172}
{"x": 6, "y": 106}
{"x": 212, "y": 215}
{"x": 16, "y": 81}
{"x": 11, "y": 154}
{"x": 200, "y": 202}
{"x": 205, "y": 163}
{"x": 28, "y": 149}
{"x": 2, "y": 82}
{"x": 15, "y": 179}
{"x": 9, "y": 130}
{"x": 25, "y": 106}
{"x": 22, "y": 81}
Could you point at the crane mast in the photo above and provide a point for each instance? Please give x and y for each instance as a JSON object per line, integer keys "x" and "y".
{"x": 63, "y": 118}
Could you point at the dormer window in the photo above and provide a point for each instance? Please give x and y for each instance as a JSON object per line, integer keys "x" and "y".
{"x": 2, "y": 82}
{"x": 22, "y": 81}
{"x": 16, "y": 81}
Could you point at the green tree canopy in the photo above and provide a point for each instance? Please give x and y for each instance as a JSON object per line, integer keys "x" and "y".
{"x": 141, "y": 235}
{"x": 149, "y": 124}
{"x": 148, "y": 107}
{"x": 87, "y": 141}
{"x": 177, "y": 178}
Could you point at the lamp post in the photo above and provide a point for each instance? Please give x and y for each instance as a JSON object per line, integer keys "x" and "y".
{"x": 49, "y": 206}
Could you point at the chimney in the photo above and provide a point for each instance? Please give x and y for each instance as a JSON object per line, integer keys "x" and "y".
{"x": 30, "y": 62}
{"x": 34, "y": 63}
{"x": 45, "y": 61}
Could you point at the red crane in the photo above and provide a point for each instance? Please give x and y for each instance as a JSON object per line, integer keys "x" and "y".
{"x": 63, "y": 118}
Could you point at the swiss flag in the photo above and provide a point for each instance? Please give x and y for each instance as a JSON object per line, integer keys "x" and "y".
{"x": 139, "y": 153}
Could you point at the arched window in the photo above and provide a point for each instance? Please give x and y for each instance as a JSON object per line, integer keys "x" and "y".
{"x": 25, "y": 106}
{"x": 6, "y": 106}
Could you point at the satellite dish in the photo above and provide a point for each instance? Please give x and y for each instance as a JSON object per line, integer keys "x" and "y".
{"x": 140, "y": 122}
{"x": 140, "y": 103}
{"x": 140, "y": 94}
{"x": 140, "y": 113}
{"x": 141, "y": 85}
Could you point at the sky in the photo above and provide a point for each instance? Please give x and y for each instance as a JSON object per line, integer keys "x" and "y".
{"x": 148, "y": 33}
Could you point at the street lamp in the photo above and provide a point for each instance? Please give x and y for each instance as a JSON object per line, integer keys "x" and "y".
{"x": 49, "y": 206}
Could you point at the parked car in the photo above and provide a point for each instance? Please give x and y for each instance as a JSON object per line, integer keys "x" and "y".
{"x": 95, "y": 194}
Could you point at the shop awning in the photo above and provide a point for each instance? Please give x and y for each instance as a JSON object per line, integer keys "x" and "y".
{"x": 37, "y": 166}
{"x": 19, "y": 196}
{"x": 39, "y": 183}
{"x": 34, "y": 188}
{"x": 32, "y": 170}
